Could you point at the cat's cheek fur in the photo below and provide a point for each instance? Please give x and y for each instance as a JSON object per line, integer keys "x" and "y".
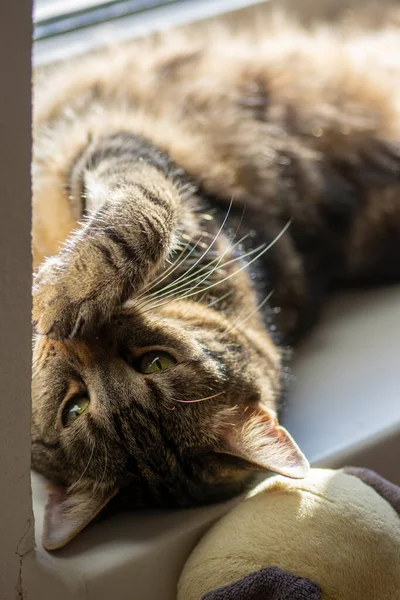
{"x": 252, "y": 434}
{"x": 67, "y": 513}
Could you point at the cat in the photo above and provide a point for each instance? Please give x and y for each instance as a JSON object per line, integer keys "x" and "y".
{"x": 195, "y": 199}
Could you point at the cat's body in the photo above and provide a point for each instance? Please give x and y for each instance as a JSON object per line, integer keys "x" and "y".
{"x": 188, "y": 159}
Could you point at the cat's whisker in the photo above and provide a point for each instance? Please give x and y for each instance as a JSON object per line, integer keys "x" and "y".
{"x": 74, "y": 485}
{"x": 180, "y": 260}
{"x": 175, "y": 265}
{"x": 98, "y": 484}
{"x": 245, "y": 266}
{"x": 241, "y": 217}
{"x": 218, "y": 266}
{"x": 199, "y": 399}
{"x": 199, "y": 274}
{"x": 217, "y": 300}
{"x": 184, "y": 278}
{"x": 179, "y": 249}
{"x": 163, "y": 275}
{"x": 173, "y": 296}
{"x": 213, "y": 241}
{"x": 146, "y": 298}
{"x": 184, "y": 275}
{"x": 238, "y": 323}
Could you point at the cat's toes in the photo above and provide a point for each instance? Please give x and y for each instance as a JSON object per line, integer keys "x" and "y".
{"x": 53, "y": 314}
{"x": 55, "y": 317}
{"x": 65, "y": 322}
{"x": 64, "y": 306}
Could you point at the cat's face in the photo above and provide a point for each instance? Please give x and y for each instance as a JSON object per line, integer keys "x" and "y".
{"x": 163, "y": 409}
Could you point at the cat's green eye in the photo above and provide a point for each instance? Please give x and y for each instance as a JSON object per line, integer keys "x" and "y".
{"x": 74, "y": 408}
{"x": 155, "y": 361}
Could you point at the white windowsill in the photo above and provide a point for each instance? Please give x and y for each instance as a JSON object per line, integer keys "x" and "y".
{"x": 179, "y": 13}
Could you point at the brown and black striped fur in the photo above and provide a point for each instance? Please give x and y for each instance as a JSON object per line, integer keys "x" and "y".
{"x": 288, "y": 139}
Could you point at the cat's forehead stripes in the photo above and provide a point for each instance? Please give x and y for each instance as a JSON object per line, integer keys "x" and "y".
{"x": 79, "y": 352}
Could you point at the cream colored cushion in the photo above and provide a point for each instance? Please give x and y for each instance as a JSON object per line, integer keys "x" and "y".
{"x": 330, "y": 528}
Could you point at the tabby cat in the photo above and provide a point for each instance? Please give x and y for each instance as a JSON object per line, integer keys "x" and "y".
{"x": 194, "y": 201}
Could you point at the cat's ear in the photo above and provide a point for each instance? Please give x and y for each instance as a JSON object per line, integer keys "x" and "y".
{"x": 254, "y": 435}
{"x": 67, "y": 513}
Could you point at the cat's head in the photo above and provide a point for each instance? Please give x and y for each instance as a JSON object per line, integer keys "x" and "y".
{"x": 171, "y": 407}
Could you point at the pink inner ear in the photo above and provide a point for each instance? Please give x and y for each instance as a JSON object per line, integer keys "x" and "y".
{"x": 257, "y": 437}
{"x": 56, "y": 494}
{"x": 66, "y": 514}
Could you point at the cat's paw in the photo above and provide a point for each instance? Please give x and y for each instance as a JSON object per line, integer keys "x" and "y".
{"x": 69, "y": 297}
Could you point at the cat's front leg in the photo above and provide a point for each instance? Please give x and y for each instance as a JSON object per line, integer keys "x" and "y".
{"x": 109, "y": 258}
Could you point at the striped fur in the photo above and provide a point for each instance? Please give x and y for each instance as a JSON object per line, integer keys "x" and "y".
{"x": 164, "y": 171}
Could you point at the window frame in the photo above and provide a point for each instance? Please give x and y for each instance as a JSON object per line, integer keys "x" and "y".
{"x": 176, "y": 13}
